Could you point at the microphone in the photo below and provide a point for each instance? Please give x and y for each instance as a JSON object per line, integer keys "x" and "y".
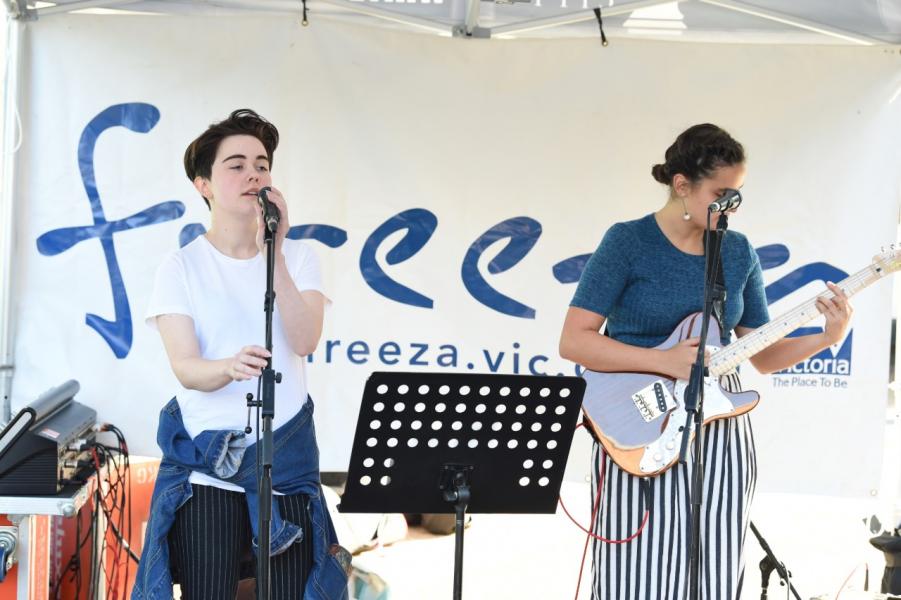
{"x": 271, "y": 215}
{"x": 729, "y": 200}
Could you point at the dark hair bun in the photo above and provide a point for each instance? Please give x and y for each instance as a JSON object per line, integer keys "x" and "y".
{"x": 660, "y": 174}
{"x": 697, "y": 153}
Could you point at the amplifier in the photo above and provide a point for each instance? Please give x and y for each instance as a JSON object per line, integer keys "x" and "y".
{"x": 45, "y": 445}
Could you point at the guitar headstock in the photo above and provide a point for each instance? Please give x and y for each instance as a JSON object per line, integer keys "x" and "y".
{"x": 889, "y": 260}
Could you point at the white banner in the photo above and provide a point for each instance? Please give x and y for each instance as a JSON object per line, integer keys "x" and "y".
{"x": 452, "y": 182}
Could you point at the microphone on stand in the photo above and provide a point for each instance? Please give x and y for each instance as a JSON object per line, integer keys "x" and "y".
{"x": 729, "y": 200}
{"x": 271, "y": 215}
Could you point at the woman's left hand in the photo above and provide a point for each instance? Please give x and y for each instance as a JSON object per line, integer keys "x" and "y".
{"x": 276, "y": 198}
{"x": 837, "y": 311}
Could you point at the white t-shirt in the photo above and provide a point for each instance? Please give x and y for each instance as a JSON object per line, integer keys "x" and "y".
{"x": 224, "y": 297}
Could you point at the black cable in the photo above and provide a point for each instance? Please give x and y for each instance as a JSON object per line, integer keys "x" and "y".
{"x": 597, "y": 15}
{"x": 74, "y": 563}
{"x": 103, "y": 455}
{"x": 95, "y": 515}
{"x": 115, "y": 498}
{"x": 118, "y": 497}
{"x": 126, "y": 546}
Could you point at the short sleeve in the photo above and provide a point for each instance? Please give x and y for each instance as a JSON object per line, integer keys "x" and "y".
{"x": 306, "y": 270}
{"x": 755, "y": 312}
{"x": 170, "y": 291}
{"x": 606, "y": 273}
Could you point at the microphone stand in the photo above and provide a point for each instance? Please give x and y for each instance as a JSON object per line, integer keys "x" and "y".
{"x": 694, "y": 397}
{"x": 770, "y": 563}
{"x": 266, "y": 405}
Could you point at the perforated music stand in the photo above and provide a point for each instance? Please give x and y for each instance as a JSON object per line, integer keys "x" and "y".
{"x": 458, "y": 442}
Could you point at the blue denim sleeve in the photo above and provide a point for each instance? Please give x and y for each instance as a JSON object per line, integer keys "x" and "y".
{"x": 606, "y": 272}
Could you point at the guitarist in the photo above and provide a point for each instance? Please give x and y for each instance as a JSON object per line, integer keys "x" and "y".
{"x": 644, "y": 278}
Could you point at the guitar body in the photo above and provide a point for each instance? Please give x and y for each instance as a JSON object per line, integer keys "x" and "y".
{"x": 638, "y": 417}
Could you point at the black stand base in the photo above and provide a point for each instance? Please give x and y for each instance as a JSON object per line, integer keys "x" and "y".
{"x": 769, "y": 564}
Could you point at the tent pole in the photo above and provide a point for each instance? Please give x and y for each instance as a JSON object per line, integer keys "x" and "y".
{"x": 12, "y": 137}
{"x": 573, "y": 17}
{"x": 18, "y": 9}
{"x": 785, "y": 19}
{"x": 73, "y": 6}
{"x": 471, "y": 21}
{"x": 391, "y": 15}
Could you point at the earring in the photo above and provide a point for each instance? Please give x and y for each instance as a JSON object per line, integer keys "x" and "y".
{"x": 685, "y": 215}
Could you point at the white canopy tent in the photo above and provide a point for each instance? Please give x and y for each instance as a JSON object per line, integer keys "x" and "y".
{"x": 867, "y": 22}
{"x": 810, "y": 22}
{"x": 806, "y": 22}
{"x": 844, "y": 26}
{"x": 861, "y": 22}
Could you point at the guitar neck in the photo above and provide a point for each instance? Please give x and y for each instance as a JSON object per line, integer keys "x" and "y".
{"x": 734, "y": 354}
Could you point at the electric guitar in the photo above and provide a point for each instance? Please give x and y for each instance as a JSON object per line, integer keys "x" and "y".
{"x": 639, "y": 417}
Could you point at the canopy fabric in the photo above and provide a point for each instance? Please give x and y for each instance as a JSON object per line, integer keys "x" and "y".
{"x": 763, "y": 21}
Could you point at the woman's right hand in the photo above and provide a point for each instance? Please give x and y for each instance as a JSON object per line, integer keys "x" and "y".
{"x": 248, "y": 363}
{"x": 677, "y": 361}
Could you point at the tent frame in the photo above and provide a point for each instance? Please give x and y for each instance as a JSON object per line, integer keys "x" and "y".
{"x": 469, "y": 24}
{"x": 468, "y": 27}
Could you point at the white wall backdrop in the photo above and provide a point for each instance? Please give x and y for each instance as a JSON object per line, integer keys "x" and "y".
{"x": 560, "y": 134}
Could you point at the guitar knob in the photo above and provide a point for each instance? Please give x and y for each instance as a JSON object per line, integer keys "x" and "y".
{"x": 670, "y": 445}
{"x": 658, "y": 457}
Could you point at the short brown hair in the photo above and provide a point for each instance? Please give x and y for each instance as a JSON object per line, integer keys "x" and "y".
{"x": 201, "y": 153}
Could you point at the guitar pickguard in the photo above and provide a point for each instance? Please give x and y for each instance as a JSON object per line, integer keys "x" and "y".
{"x": 665, "y": 449}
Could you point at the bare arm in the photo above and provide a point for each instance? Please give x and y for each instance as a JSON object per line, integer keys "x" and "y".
{"x": 791, "y": 351}
{"x": 301, "y": 312}
{"x": 581, "y": 343}
{"x": 197, "y": 373}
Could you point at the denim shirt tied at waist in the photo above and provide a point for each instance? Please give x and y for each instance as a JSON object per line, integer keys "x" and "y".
{"x": 224, "y": 454}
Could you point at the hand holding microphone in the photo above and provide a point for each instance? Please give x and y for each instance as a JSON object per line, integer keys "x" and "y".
{"x": 271, "y": 215}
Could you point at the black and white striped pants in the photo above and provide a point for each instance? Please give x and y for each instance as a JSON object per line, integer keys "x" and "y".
{"x": 210, "y": 546}
{"x": 654, "y": 566}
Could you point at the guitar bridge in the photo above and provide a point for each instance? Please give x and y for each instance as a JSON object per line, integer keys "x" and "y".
{"x": 653, "y": 401}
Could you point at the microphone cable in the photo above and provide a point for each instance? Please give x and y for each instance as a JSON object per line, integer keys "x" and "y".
{"x": 596, "y": 507}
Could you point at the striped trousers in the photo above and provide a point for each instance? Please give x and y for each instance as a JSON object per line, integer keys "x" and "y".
{"x": 654, "y": 566}
{"x": 210, "y": 546}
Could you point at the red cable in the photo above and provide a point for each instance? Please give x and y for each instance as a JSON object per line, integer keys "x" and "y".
{"x": 594, "y": 511}
{"x": 848, "y": 578}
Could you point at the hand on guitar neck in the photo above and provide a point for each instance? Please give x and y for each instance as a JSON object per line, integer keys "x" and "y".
{"x": 837, "y": 311}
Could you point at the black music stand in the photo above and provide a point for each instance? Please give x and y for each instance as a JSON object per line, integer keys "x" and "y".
{"x": 459, "y": 442}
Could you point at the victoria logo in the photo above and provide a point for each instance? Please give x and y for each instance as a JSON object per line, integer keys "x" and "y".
{"x": 828, "y": 361}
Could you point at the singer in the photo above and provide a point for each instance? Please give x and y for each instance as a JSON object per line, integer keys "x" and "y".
{"x": 644, "y": 278}
{"x": 207, "y": 304}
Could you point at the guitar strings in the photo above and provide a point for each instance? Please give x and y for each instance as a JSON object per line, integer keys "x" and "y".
{"x": 727, "y": 358}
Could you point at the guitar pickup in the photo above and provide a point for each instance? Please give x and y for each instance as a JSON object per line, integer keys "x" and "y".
{"x": 660, "y": 393}
{"x": 653, "y": 401}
